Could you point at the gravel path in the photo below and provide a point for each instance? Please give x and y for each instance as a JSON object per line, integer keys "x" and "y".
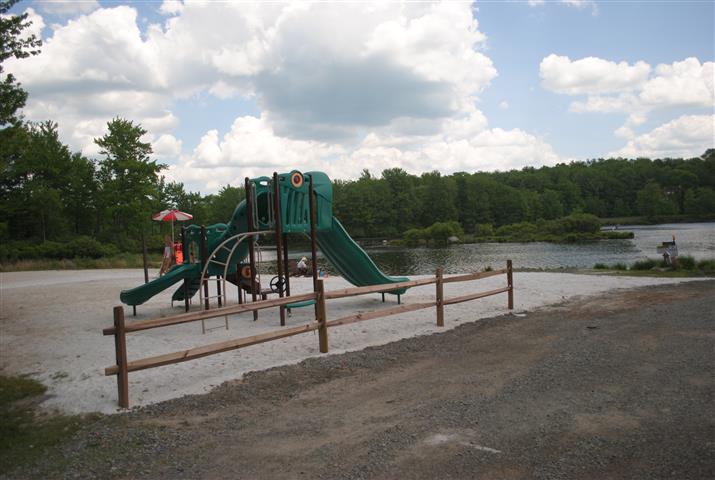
{"x": 619, "y": 386}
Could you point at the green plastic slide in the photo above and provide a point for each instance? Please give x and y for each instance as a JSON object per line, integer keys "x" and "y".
{"x": 351, "y": 260}
{"x": 142, "y": 293}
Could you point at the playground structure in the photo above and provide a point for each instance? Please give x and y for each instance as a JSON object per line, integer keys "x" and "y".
{"x": 289, "y": 203}
{"x": 284, "y": 204}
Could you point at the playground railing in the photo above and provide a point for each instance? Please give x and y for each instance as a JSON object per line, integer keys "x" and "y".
{"x": 120, "y": 329}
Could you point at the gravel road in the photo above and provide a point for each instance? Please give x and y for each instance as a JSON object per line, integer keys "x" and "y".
{"x": 619, "y": 386}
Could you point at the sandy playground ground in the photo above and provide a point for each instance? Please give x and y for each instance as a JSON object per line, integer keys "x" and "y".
{"x": 51, "y": 329}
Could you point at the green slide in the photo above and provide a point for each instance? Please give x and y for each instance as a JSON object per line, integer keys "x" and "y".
{"x": 351, "y": 260}
{"x": 142, "y": 293}
{"x": 192, "y": 271}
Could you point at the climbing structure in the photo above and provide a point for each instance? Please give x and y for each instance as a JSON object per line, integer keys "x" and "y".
{"x": 284, "y": 204}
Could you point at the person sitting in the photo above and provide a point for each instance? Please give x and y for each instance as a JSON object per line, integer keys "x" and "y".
{"x": 303, "y": 267}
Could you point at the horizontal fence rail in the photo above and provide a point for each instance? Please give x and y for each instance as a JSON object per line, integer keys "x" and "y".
{"x": 321, "y": 323}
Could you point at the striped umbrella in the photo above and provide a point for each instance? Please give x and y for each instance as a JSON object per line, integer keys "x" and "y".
{"x": 172, "y": 216}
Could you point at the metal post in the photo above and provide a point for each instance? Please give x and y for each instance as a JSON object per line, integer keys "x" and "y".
{"x": 120, "y": 346}
{"x": 144, "y": 255}
{"x": 204, "y": 260}
{"x": 279, "y": 238}
{"x": 251, "y": 253}
{"x": 313, "y": 234}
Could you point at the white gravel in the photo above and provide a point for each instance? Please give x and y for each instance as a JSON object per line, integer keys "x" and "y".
{"x": 51, "y": 329}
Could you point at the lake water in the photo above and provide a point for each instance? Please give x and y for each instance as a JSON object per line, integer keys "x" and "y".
{"x": 694, "y": 239}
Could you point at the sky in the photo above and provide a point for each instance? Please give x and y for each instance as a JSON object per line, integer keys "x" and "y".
{"x": 228, "y": 90}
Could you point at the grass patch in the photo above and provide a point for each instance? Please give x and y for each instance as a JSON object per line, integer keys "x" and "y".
{"x": 26, "y": 433}
{"x": 122, "y": 260}
{"x": 686, "y": 267}
{"x": 648, "y": 264}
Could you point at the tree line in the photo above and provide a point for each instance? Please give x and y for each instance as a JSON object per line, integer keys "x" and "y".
{"x": 395, "y": 201}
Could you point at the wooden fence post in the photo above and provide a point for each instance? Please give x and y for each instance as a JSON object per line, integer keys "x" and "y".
{"x": 440, "y": 298}
{"x": 510, "y": 284}
{"x": 322, "y": 317}
{"x": 120, "y": 345}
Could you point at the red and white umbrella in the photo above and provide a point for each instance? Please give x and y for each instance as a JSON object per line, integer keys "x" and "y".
{"x": 172, "y": 216}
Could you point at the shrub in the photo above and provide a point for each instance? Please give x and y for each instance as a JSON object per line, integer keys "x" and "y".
{"x": 581, "y": 223}
{"x": 483, "y": 230}
{"x": 686, "y": 262}
{"x": 521, "y": 231}
{"x": 600, "y": 266}
{"x": 413, "y": 236}
{"x": 648, "y": 264}
{"x": 441, "y": 231}
{"x": 707, "y": 266}
{"x": 620, "y": 266}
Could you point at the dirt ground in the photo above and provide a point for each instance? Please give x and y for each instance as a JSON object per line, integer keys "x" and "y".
{"x": 612, "y": 387}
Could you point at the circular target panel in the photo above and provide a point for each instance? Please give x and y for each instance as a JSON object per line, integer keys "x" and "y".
{"x": 246, "y": 271}
{"x": 296, "y": 179}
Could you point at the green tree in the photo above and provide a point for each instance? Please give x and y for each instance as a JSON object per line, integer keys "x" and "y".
{"x": 37, "y": 184}
{"x": 129, "y": 182}
{"x": 651, "y": 201}
{"x": 551, "y": 205}
{"x": 13, "y": 44}
{"x": 224, "y": 203}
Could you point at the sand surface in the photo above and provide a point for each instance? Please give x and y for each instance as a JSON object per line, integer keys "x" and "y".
{"x": 51, "y": 329}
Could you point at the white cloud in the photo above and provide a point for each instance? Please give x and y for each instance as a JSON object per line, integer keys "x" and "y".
{"x": 686, "y": 136}
{"x": 504, "y": 104}
{"x": 166, "y": 147}
{"x": 67, "y": 8}
{"x": 252, "y": 148}
{"x": 591, "y": 75}
{"x": 171, "y": 7}
{"x": 570, "y": 3}
{"x": 686, "y": 83}
{"x": 335, "y": 83}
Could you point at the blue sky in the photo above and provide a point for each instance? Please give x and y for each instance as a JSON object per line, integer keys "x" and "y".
{"x": 228, "y": 89}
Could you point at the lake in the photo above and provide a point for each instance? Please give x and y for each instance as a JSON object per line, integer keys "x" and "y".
{"x": 694, "y": 239}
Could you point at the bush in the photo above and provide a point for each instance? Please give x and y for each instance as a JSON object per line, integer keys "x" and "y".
{"x": 521, "y": 231}
{"x": 413, "y": 236}
{"x": 648, "y": 264}
{"x": 686, "y": 262}
{"x": 620, "y": 266}
{"x": 80, "y": 247}
{"x": 483, "y": 230}
{"x": 707, "y": 266}
{"x": 600, "y": 266}
{"x": 581, "y": 223}
{"x": 441, "y": 231}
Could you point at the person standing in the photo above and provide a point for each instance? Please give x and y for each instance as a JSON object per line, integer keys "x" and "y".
{"x": 168, "y": 255}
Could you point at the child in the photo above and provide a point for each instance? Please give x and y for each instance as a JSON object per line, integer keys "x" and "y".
{"x": 168, "y": 255}
{"x": 303, "y": 266}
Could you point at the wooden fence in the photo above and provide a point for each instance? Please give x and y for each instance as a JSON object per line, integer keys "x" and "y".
{"x": 120, "y": 329}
